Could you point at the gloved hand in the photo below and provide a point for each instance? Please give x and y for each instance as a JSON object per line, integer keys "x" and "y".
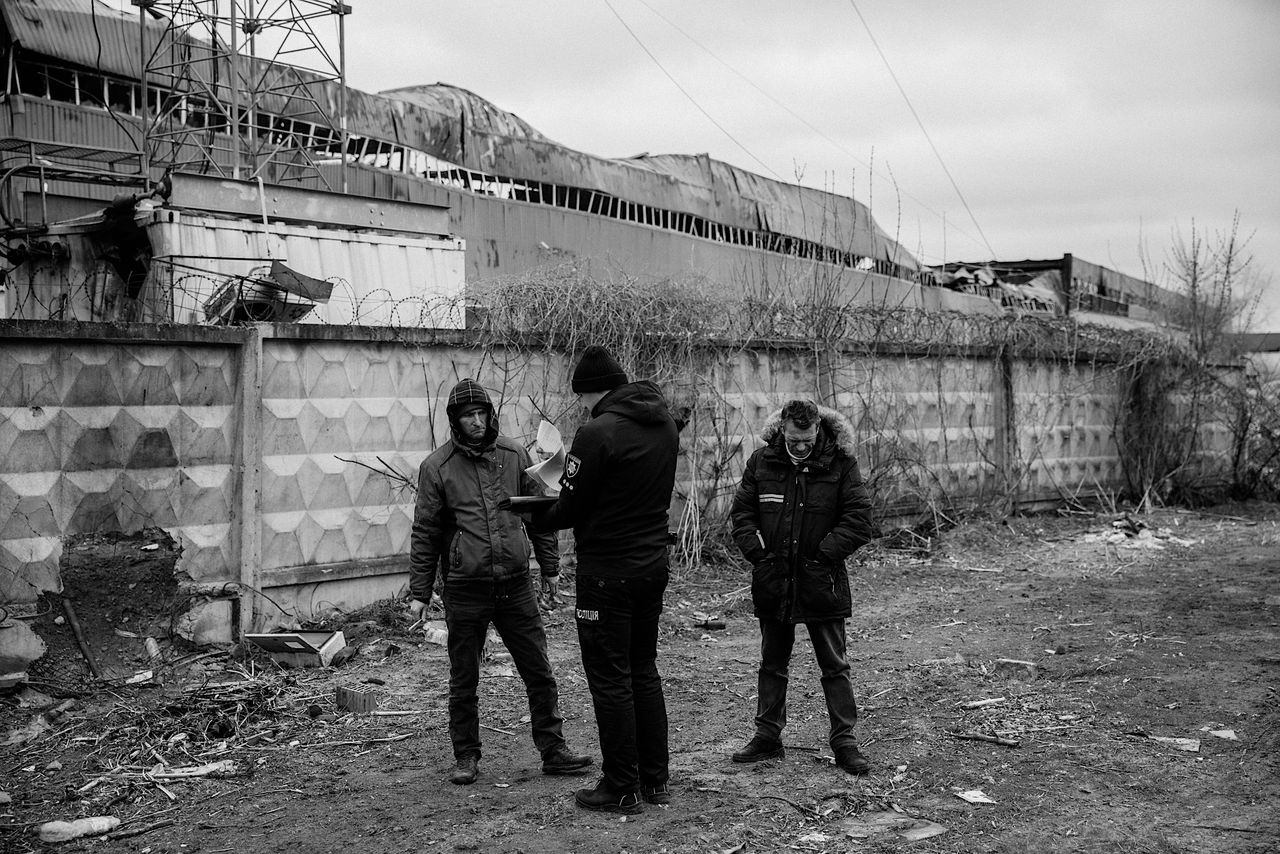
{"x": 550, "y": 596}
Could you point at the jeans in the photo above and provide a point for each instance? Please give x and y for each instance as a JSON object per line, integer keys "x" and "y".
{"x": 776, "y": 642}
{"x": 618, "y": 634}
{"x": 469, "y": 608}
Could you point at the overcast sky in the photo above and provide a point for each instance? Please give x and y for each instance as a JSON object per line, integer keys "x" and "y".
{"x": 989, "y": 128}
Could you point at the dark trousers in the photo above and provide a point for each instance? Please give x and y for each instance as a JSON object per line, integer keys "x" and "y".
{"x": 512, "y": 608}
{"x": 618, "y": 634}
{"x": 776, "y": 642}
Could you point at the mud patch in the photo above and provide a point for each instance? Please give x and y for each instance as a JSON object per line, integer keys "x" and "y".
{"x": 121, "y": 591}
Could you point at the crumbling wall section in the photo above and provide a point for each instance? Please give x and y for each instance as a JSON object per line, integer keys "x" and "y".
{"x": 109, "y": 431}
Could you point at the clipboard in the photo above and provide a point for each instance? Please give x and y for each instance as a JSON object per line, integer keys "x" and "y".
{"x": 526, "y": 503}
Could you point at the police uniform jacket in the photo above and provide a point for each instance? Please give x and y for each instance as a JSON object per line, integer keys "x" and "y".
{"x": 617, "y": 483}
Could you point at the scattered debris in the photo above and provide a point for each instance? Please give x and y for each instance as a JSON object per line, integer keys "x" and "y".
{"x": 435, "y": 632}
{"x": 221, "y": 769}
{"x": 19, "y": 647}
{"x": 1128, "y": 532}
{"x": 358, "y": 700}
{"x": 38, "y": 725}
{"x": 1017, "y": 668}
{"x": 65, "y": 831}
{"x": 994, "y": 739}
{"x": 141, "y": 677}
{"x": 1190, "y": 745}
{"x": 300, "y": 649}
{"x": 978, "y": 704}
{"x": 892, "y": 820}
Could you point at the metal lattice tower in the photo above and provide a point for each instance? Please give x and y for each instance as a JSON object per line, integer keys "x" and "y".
{"x": 243, "y": 88}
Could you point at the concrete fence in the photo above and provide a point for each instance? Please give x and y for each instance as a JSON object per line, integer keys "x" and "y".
{"x": 259, "y": 448}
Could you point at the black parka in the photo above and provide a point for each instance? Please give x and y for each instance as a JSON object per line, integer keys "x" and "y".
{"x": 798, "y": 522}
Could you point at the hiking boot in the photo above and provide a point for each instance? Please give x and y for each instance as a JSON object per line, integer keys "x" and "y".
{"x": 659, "y": 794}
{"x": 850, "y": 758}
{"x": 560, "y": 761}
{"x": 605, "y": 799}
{"x": 758, "y": 749}
{"x": 466, "y": 772}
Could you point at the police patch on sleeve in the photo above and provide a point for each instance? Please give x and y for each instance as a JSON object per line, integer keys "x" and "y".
{"x": 572, "y": 465}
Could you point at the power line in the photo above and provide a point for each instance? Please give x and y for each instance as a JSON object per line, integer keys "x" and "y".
{"x": 686, "y": 93}
{"x": 923, "y": 130}
{"x": 816, "y": 130}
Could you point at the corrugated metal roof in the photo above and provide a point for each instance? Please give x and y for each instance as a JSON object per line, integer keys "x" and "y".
{"x": 379, "y": 279}
{"x": 85, "y": 32}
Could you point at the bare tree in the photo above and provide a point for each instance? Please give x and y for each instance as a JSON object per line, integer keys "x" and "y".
{"x": 1178, "y": 400}
{"x": 1219, "y": 288}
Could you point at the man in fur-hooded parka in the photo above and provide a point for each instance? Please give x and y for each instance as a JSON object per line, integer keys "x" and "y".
{"x": 797, "y": 520}
{"x": 800, "y": 510}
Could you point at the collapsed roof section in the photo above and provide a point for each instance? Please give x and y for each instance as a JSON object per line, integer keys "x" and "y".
{"x": 463, "y": 128}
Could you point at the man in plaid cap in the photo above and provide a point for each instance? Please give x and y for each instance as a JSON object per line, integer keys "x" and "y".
{"x": 463, "y": 522}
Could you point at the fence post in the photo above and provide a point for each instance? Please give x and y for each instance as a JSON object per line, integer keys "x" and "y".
{"x": 1006, "y": 428}
{"x": 249, "y": 477}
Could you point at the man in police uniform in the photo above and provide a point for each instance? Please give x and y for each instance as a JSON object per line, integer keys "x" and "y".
{"x": 615, "y": 494}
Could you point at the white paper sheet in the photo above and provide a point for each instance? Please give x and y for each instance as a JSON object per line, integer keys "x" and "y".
{"x": 548, "y": 471}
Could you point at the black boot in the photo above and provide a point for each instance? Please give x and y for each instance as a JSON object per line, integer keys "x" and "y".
{"x": 850, "y": 758}
{"x": 466, "y": 772}
{"x": 758, "y": 749}
{"x": 605, "y": 799}
{"x": 560, "y": 761}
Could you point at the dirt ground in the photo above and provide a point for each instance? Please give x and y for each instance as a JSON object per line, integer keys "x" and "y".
{"x": 1129, "y": 670}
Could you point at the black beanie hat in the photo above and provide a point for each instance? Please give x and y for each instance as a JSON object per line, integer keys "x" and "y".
{"x": 466, "y": 392}
{"x": 597, "y": 371}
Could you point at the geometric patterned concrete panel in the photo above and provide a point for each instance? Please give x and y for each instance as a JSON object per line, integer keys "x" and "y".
{"x": 1066, "y": 418}
{"x": 324, "y": 403}
{"x": 113, "y": 436}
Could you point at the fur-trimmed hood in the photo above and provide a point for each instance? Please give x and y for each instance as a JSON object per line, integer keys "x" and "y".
{"x": 835, "y": 425}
